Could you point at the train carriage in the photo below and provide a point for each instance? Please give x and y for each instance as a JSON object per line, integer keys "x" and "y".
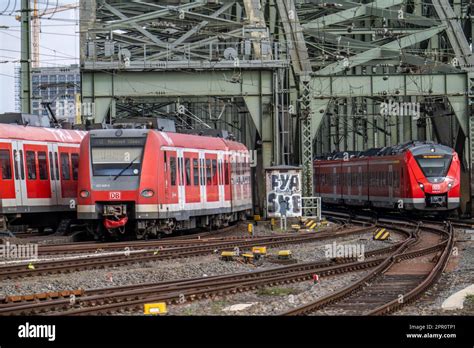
{"x": 148, "y": 182}
{"x": 420, "y": 176}
{"x": 38, "y": 174}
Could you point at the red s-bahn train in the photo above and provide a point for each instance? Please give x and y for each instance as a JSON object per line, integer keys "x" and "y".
{"x": 416, "y": 176}
{"x": 38, "y": 174}
{"x": 146, "y": 182}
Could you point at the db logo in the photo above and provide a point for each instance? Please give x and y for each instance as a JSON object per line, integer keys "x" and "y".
{"x": 436, "y": 187}
{"x": 114, "y": 195}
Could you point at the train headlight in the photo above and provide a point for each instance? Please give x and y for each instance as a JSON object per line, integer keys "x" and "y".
{"x": 450, "y": 185}
{"x": 422, "y": 186}
{"x": 148, "y": 193}
{"x": 84, "y": 194}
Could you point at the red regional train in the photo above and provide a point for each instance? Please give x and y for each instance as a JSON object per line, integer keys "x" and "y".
{"x": 416, "y": 176}
{"x": 144, "y": 182}
{"x": 38, "y": 174}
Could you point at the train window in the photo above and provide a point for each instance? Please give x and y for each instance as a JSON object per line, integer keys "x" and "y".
{"x": 31, "y": 165}
{"x": 195, "y": 172}
{"x": 208, "y": 172}
{"x": 214, "y": 172}
{"x": 75, "y": 166}
{"x": 56, "y": 163}
{"x": 226, "y": 173}
{"x": 6, "y": 164}
{"x": 187, "y": 165}
{"x": 173, "y": 170}
{"x": 202, "y": 172}
{"x": 179, "y": 177}
{"x": 51, "y": 168}
{"x": 434, "y": 165}
{"x": 42, "y": 165}
{"x": 65, "y": 168}
{"x": 112, "y": 160}
{"x": 180, "y": 171}
{"x": 15, "y": 156}
{"x": 22, "y": 166}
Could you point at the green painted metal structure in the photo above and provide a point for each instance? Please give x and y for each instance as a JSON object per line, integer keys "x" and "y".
{"x": 290, "y": 78}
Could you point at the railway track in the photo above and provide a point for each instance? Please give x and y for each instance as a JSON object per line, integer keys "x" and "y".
{"x": 118, "y": 299}
{"x": 195, "y": 248}
{"x": 175, "y": 241}
{"x": 377, "y": 293}
{"x": 400, "y": 279}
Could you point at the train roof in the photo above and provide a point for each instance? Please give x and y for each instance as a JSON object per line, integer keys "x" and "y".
{"x": 202, "y": 142}
{"x": 415, "y": 147}
{"x": 54, "y": 135}
{"x": 174, "y": 139}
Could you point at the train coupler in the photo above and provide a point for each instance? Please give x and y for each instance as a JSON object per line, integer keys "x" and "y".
{"x": 112, "y": 224}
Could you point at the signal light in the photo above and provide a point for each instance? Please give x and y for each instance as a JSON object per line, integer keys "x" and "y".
{"x": 148, "y": 193}
{"x": 84, "y": 194}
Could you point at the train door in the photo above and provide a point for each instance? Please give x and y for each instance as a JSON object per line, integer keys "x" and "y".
{"x": 227, "y": 187}
{"x": 220, "y": 177}
{"x": 7, "y": 182}
{"x": 211, "y": 178}
{"x": 202, "y": 179}
{"x": 54, "y": 174}
{"x": 239, "y": 187}
{"x": 171, "y": 182}
{"x": 38, "y": 185}
{"x": 181, "y": 182}
{"x": 67, "y": 158}
{"x": 245, "y": 175}
{"x": 191, "y": 177}
{"x": 19, "y": 169}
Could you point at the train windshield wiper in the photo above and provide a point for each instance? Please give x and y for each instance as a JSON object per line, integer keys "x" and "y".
{"x": 124, "y": 169}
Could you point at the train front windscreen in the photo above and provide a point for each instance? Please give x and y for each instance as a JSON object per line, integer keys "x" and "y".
{"x": 117, "y": 157}
{"x": 434, "y": 166}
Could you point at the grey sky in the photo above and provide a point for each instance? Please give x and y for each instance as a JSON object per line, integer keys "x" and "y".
{"x": 59, "y": 43}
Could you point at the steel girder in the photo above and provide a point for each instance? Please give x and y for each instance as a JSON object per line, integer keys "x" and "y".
{"x": 370, "y": 50}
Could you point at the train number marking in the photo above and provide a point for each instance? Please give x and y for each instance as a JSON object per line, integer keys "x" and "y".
{"x": 114, "y": 195}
